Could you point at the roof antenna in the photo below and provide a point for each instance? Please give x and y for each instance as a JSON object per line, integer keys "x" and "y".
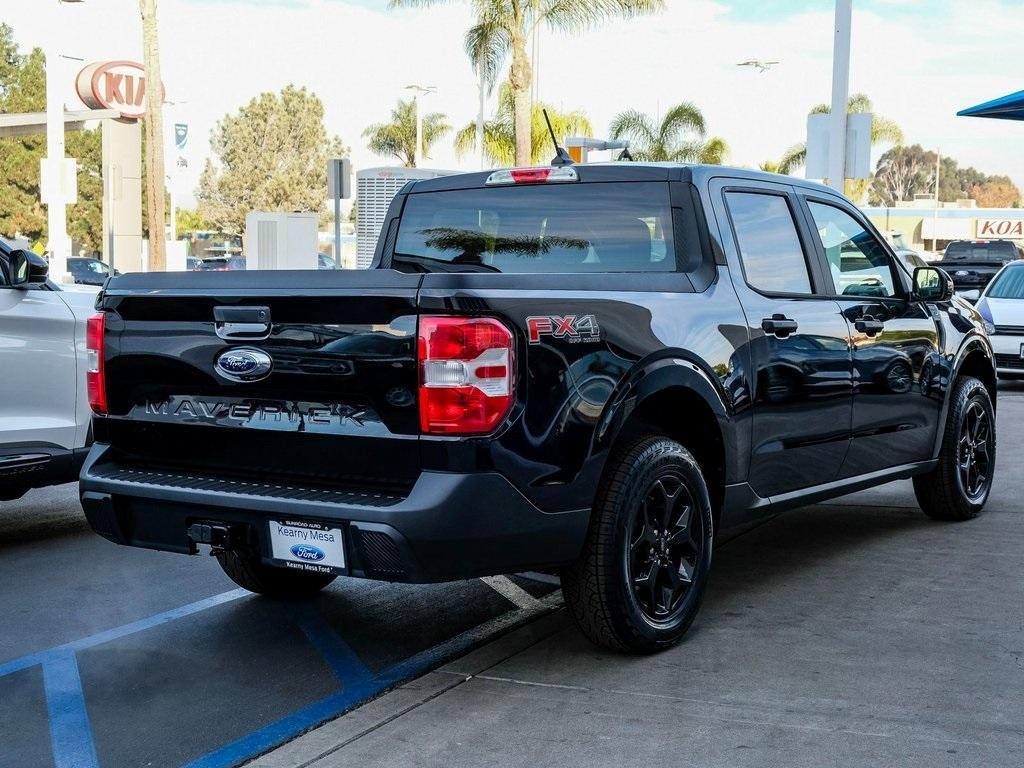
{"x": 561, "y": 156}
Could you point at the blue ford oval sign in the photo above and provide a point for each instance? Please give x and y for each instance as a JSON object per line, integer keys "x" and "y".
{"x": 308, "y": 552}
{"x": 244, "y": 364}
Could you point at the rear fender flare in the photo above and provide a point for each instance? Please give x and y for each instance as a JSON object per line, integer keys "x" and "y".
{"x": 653, "y": 377}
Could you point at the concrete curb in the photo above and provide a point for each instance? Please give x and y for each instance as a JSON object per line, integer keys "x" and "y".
{"x": 327, "y": 739}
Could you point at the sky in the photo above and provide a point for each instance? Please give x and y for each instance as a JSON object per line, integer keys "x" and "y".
{"x": 919, "y": 60}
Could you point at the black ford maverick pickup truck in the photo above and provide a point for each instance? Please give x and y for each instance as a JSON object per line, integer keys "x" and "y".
{"x": 598, "y": 370}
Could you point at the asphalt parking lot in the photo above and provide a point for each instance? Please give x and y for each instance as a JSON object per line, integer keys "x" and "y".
{"x": 854, "y": 632}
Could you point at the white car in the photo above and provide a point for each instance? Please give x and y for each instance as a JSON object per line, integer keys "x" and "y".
{"x": 44, "y": 411}
{"x": 1002, "y": 307}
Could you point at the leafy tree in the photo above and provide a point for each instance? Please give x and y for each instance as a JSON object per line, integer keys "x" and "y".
{"x": 499, "y": 132}
{"x": 905, "y": 172}
{"x": 678, "y": 138}
{"x": 996, "y": 192}
{"x": 398, "y": 137}
{"x": 270, "y": 156}
{"x": 901, "y": 173}
{"x": 85, "y": 218}
{"x": 23, "y": 89}
{"x": 188, "y": 220}
{"x": 503, "y": 29}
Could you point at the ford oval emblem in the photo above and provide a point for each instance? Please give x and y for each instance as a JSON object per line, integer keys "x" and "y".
{"x": 244, "y": 364}
{"x": 308, "y": 552}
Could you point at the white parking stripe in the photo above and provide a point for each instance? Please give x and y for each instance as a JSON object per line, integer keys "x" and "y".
{"x": 508, "y": 589}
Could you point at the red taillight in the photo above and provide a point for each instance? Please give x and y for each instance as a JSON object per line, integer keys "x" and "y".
{"x": 466, "y": 374}
{"x": 530, "y": 175}
{"x": 95, "y": 379}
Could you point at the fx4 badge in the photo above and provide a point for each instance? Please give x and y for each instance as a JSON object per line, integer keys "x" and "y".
{"x": 571, "y": 328}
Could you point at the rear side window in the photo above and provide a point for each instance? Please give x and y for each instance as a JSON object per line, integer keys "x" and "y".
{"x": 566, "y": 228}
{"x": 773, "y": 258}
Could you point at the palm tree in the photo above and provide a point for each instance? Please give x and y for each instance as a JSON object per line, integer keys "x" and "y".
{"x": 500, "y": 132}
{"x": 883, "y": 131}
{"x": 678, "y": 138}
{"x": 503, "y": 28}
{"x": 398, "y": 137}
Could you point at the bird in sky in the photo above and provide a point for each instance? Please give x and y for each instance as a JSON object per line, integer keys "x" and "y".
{"x": 761, "y": 66}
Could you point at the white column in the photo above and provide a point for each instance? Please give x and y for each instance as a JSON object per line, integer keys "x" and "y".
{"x": 840, "y": 95}
{"x": 58, "y": 242}
{"x": 418, "y": 158}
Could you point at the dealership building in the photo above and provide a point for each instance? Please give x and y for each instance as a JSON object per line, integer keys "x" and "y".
{"x": 927, "y": 228}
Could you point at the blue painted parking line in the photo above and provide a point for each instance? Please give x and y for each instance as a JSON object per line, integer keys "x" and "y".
{"x": 72, "y": 739}
{"x": 71, "y": 735}
{"x": 287, "y": 728}
{"x": 343, "y": 661}
{"x": 39, "y": 657}
{"x": 70, "y": 732}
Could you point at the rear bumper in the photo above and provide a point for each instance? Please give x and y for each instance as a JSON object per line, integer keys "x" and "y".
{"x": 35, "y": 465}
{"x": 450, "y": 526}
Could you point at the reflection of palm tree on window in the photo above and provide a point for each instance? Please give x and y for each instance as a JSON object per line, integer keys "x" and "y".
{"x": 471, "y": 245}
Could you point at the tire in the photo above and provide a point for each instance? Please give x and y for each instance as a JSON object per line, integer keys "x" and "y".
{"x": 949, "y": 492}
{"x": 610, "y": 591}
{"x": 282, "y": 583}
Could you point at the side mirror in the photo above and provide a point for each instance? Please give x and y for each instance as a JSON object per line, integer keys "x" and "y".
{"x": 26, "y": 268}
{"x": 932, "y": 284}
{"x": 17, "y": 265}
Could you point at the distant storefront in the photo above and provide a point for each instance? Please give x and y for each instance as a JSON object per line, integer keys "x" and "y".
{"x": 928, "y": 229}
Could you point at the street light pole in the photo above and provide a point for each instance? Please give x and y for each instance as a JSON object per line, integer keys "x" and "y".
{"x": 58, "y": 243}
{"x": 840, "y": 95}
{"x": 418, "y": 91}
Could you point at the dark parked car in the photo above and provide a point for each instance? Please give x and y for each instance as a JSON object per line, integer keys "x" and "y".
{"x": 88, "y": 271}
{"x": 973, "y": 263}
{"x": 220, "y": 264}
{"x": 600, "y": 370}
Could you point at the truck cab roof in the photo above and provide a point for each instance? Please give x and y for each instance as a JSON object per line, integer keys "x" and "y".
{"x": 625, "y": 172}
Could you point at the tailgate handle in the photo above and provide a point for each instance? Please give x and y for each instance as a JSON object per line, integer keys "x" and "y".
{"x": 245, "y": 323}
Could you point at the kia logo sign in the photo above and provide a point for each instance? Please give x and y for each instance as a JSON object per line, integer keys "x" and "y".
{"x": 119, "y": 85}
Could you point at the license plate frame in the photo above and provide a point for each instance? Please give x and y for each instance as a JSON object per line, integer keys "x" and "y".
{"x": 307, "y": 545}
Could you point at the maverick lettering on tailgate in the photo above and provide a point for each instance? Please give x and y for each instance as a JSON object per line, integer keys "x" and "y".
{"x": 261, "y": 414}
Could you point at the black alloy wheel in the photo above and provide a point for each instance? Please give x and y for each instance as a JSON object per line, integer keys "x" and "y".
{"x": 974, "y": 452}
{"x": 639, "y": 582}
{"x": 665, "y": 544}
{"x": 960, "y": 483}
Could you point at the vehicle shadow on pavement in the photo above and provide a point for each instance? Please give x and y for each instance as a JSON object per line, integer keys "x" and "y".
{"x": 807, "y": 539}
{"x": 40, "y": 514}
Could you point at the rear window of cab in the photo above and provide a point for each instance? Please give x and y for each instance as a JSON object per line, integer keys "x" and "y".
{"x": 538, "y": 228}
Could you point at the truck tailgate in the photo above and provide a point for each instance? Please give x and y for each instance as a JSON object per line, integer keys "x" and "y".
{"x": 267, "y": 376}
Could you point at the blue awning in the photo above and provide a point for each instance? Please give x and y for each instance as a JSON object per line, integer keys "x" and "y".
{"x": 1005, "y": 108}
